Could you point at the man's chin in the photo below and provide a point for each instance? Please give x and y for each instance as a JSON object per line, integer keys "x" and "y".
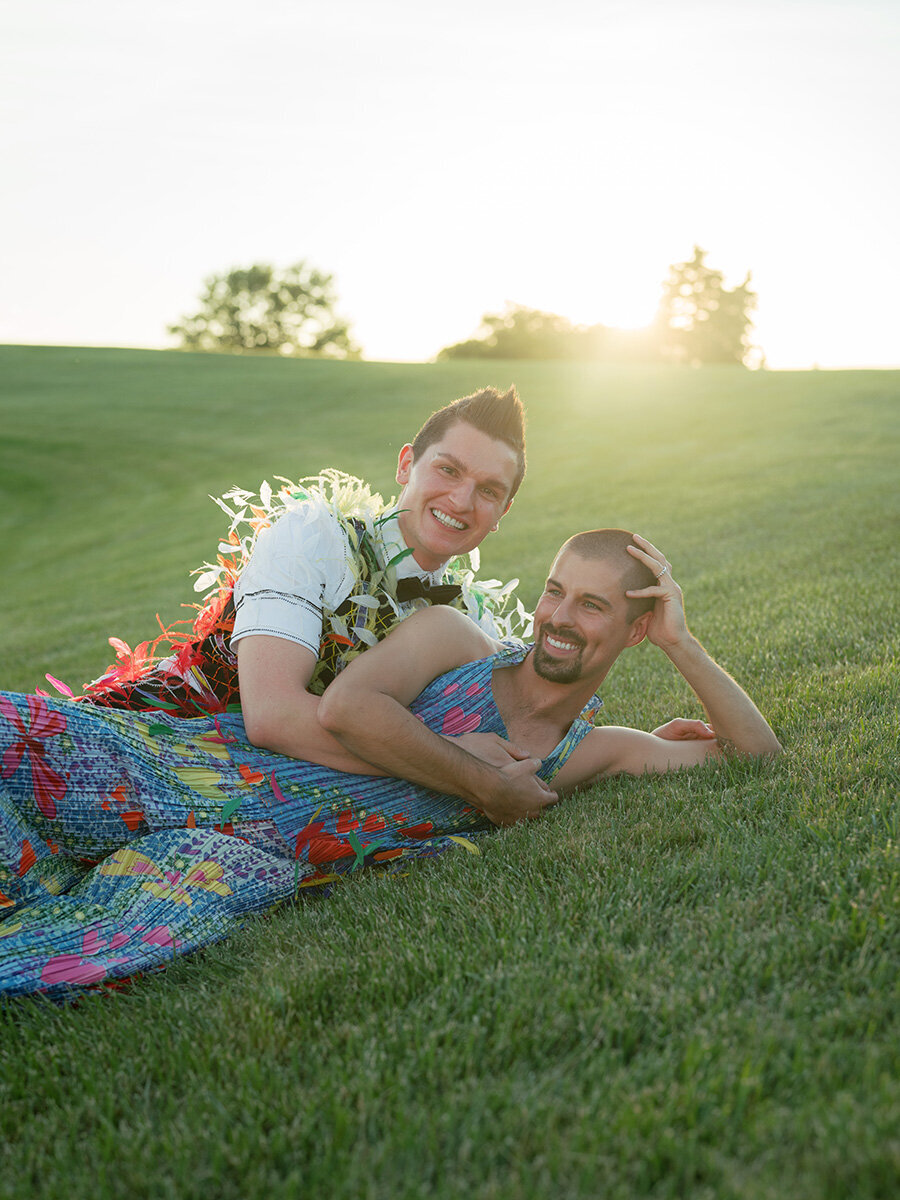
{"x": 554, "y": 670}
{"x": 441, "y": 542}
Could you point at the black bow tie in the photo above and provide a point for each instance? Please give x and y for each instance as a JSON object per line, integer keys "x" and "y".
{"x": 438, "y": 593}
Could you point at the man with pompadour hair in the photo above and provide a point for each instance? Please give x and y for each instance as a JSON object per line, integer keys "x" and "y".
{"x": 458, "y": 478}
{"x": 498, "y": 414}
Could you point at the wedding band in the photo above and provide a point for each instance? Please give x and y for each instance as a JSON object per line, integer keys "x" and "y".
{"x": 662, "y": 572}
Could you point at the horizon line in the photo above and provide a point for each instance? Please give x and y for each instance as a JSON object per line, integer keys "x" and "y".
{"x": 425, "y": 362}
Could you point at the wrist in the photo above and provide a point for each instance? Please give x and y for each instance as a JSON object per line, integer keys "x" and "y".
{"x": 684, "y": 649}
{"x": 476, "y": 781}
{"x": 491, "y": 794}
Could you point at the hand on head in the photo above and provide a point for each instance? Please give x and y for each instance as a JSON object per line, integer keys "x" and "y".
{"x": 667, "y": 625}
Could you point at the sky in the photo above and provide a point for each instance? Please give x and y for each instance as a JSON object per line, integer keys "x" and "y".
{"x": 441, "y": 160}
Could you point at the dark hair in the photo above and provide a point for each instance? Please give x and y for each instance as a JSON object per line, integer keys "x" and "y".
{"x": 498, "y": 414}
{"x": 609, "y": 545}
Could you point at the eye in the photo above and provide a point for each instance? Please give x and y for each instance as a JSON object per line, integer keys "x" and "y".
{"x": 448, "y": 470}
{"x": 591, "y": 604}
{"x": 489, "y": 493}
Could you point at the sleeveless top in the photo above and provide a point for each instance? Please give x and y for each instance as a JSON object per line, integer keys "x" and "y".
{"x": 461, "y": 701}
{"x": 318, "y": 807}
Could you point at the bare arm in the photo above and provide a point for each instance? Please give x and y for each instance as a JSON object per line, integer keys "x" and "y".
{"x": 298, "y": 560}
{"x": 365, "y": 708}
{"x": 739, "y": 726}
{"x": 614, "y": 750}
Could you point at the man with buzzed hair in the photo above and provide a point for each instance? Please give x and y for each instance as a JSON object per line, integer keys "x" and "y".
{"x": 607, "y": 591}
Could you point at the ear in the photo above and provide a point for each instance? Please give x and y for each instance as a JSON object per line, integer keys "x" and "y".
{"x": 639, "y": 629}
{"x": 404, "y": 464}
{"x": 494, "y": 528}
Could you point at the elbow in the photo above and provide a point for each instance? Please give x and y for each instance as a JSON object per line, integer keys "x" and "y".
{"x": 259, "y": 730}
{"x": 336, "y": 709}
{"x": 769, "y": 749}
{"x": 266, "y": 725}
{"x": 759, "y": 747}
{"x": 774, "y": 749}
{"x": 770, "y": 746}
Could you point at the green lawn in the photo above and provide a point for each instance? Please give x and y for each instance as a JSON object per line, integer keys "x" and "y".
{"x": 666, "y": 988}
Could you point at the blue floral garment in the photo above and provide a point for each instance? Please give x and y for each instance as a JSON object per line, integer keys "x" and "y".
{"x": 126, "y": 838}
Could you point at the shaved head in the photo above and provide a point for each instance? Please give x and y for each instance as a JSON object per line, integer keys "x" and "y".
{"x": 609, "y": 545}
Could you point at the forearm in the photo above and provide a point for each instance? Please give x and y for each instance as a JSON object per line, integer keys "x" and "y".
{"x": 365, "y": 708}
{"x": 402, "y": 746}
{"x": 738, "y": 723}
{"x": 375, "y": 726}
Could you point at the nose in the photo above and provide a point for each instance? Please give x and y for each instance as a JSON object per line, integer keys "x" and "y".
{"x": 563, "y": 613}
{"x": 463, "y": 495}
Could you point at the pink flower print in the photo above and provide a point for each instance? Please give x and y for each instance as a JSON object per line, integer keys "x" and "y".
{"x": 451, "y": 688}
{"x": 161, "y": 935}
{"x": 92, "y": 943}
{"x": 474, "y": 689}
{"x": 456, "y": 722}
{"x": 48, "y": 785}
{"x": 72, "y": 968}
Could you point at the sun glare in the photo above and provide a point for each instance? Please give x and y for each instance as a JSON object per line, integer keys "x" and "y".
{"x": 619, "y": 303}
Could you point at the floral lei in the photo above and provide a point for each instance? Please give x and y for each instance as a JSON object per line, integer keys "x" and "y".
{"x": 372, "y": 608}
{"x": 363, "y": 619}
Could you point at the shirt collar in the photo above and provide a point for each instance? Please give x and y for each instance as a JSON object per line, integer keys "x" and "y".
{"x": 394, "y": 543}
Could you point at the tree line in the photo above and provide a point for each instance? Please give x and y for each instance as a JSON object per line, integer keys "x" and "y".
{"x": 292, "y": 311}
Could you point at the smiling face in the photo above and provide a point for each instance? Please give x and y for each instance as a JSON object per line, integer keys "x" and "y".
{"x": 454, "y": 494}
{"x": 581, "y": 621}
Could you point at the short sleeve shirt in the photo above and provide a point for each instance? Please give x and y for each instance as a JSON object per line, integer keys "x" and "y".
{"x": 300, "y": 570}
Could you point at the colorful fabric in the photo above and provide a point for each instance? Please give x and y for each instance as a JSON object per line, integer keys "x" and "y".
{"x": 128, "y": 838}
{"x": 197, "y": 674}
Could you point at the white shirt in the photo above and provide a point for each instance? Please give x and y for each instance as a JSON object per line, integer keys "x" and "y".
{"x": 302, "y": 568}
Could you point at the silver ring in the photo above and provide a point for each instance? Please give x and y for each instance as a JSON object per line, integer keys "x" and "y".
{"x": 663, "y": 571}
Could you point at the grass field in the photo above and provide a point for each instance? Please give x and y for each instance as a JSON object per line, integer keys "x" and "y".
{"x": 666, "y": 988}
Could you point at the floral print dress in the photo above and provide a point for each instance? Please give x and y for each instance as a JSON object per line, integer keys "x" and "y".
{"x": 127, "y": 838}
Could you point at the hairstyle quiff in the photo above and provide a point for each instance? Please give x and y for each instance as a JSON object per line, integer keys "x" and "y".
{"x": 498, "y": 414}
{"x": 609, "y": 545}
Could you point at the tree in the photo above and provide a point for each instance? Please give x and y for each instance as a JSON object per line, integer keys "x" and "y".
{"x": 520, "y": 332}
{"x": 699, "y": 319}
{"x": 517, "y": 332}
{"x": 262, "y": 308}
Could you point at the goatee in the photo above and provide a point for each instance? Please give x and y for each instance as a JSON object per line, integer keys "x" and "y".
{"x": 552, "y": 669}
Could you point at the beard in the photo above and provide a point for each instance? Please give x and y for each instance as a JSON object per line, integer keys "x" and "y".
{"x": 553, "y": 669}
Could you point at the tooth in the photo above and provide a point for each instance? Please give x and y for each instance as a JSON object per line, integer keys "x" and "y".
{"x": 446, "y": 520}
